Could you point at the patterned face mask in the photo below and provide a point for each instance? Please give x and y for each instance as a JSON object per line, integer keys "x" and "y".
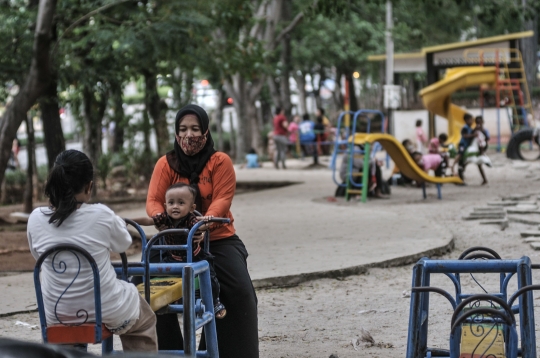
{"x": 192, "y": 145}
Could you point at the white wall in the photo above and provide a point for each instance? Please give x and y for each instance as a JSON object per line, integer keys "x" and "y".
{"x": 404, "y": 123}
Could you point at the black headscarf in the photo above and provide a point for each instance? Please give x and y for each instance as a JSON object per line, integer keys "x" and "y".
{"x": 190, "y": 167}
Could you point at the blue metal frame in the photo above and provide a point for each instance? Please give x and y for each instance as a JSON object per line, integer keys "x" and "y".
{"x": 419, "y": 306}
{"x": 197, "y": 313}
{"x": 350, "y": 144}
{"x": 75, "y": 250}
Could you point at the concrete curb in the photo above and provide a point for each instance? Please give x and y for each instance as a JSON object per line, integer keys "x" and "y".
{"x": 294, "y": 280}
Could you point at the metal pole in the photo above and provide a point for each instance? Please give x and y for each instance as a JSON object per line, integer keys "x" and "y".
{"x": 365, "y": 171}
{"x": 188, "y": 293}
{"x": 499, "y": 129}
{"x": 389, "y": 44}
{"x": 389, "y": 58}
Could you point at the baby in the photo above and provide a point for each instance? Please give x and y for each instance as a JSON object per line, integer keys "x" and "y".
{"x": 179, "y": 208}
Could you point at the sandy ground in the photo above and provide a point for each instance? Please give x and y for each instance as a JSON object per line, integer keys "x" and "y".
{"x": 321, "y": 318}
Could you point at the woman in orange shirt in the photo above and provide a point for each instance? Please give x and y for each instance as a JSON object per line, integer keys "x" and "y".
{"x": 195, "y": 161}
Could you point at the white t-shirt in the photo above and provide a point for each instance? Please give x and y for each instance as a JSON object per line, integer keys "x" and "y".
{"x": 98, "y": 230}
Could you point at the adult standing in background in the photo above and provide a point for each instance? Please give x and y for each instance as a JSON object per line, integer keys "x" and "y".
{"x": 280, "y": 137}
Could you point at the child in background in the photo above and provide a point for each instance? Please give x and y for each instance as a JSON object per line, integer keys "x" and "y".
{"x": 179, "y": 206}
{"x": 421, "y": 139}
{"x": 293, "y": 129}
{"x": 252, "y": 159}
{"x": 429, "y": 162}
{"x": 467, "y": 135}
{"x": 293, "y": 135}
{"x": 482, "y": 134}
{"x": 436, "y": 143}
{"x": 482, "y": 139}
{"x": 397, "y": 176}
{"x": 307, "y": 134}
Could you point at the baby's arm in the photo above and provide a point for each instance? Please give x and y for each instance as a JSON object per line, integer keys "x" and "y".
{"x": 144, "y": 221}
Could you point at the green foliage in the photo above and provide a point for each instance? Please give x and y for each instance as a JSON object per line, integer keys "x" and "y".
{"x": 104, "y": 168}
{"x": 17, "y": 21}
{"x": 42, "y": 173}
{"x": 15, "y": 177}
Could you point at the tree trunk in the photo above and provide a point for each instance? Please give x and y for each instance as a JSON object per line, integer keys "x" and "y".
{"x": 256, "y": 140}
{"x": 146, "y": 127}
{"x": 337, "y": 96}
{"x": 285, "y": 73}
{"x": 232, "y": 136}
{"x": 157, "y": 109}
{"x": 118, "y": 118}
{"x": 237, "y": 91}
{"x": 301, "y": 85}
{"x": 286, "y": 14}
{"x": 31, "y": 153}
{"x": 274, "y": 91}
{"x": 182, "y": 87}
{"x": 52, "y": 125}
{"x": 93, "y": 112}
{"x": 244, "y": 94}
{"x": 34, "y": 85}
{"x": 218, "y": 118}
{"x": 353, "y": 101}
{"x": 317, "y": 89}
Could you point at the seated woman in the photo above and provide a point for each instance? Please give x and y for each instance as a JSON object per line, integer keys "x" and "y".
{"x": 69, "y": 219}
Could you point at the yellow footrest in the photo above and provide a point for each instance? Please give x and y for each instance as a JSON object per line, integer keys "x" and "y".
{"x": 354, "y": 191}
{"x": 482, "y": 339}
{"x": 163, "y": 290}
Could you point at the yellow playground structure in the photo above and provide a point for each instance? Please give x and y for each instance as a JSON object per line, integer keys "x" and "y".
{"x": 499, "y": 69}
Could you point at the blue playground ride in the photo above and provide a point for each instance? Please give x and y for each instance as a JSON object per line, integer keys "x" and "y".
{"x": 346, "y": 137}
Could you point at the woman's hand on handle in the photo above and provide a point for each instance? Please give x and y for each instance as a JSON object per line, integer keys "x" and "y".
{"x": 205, "y": 219}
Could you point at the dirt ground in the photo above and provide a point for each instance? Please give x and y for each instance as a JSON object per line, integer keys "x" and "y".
{"x": 14, "y": 251}
{"x": 324, "y": 318}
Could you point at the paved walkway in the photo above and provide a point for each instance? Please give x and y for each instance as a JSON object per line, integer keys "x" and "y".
{"x": 294, "y": 233}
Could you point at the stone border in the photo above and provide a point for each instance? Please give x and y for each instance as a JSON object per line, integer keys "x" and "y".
{"x": 294, "y": 280}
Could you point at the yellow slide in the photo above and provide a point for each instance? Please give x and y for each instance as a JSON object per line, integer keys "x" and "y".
{"x": 403, "y": 160}
{"x": 436, "y": 97}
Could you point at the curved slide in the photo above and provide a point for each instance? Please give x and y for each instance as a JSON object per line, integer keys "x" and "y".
{"x": 403, "y": 160}
{"x": 436, "y": 97}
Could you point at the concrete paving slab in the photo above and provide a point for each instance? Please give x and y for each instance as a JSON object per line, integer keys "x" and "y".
{"x": 516, "y": 197}
{"x": 535, "y": 245}
{"x": 502, "y": 203}
{"x": 530, "y": 234}
{"x": 489, "y": 209}
{"x": 525, "y": 207}
{"x": 485, "y": 215}
{"x": 517, "y": 210}
{"x": 523, "y": 220}
{"x": 502, "y": 222}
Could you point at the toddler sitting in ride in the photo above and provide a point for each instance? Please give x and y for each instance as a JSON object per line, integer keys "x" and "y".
{"x": 180, "y": 207}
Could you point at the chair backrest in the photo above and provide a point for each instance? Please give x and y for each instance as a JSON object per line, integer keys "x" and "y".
{"x": 60, "y": 267}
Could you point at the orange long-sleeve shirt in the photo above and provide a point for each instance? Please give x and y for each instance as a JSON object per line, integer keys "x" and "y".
{"x": 217, "y": 183}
